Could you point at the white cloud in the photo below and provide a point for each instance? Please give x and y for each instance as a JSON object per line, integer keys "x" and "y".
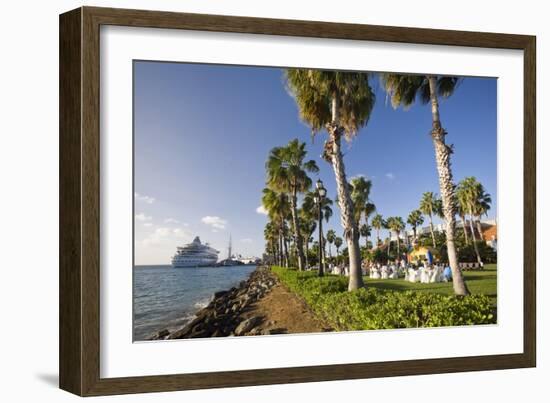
{"x": 390, "y": 176}
{"x": 143, "y": 217}
{"x": 180, "y": 232}
{"x": 147, "y": 224}
{"x": 246, "y": 240}
{"x": 261, "y": 210}
{"x": 143, "y": 198}
{"x": 214, "y": 221}
{"x": 157, "y": 236}
{"x": 171, "y": 221}
{"x": 164, "y": 235}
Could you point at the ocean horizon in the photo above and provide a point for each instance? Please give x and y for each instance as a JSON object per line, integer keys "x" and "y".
{"x": 167, "y": 298}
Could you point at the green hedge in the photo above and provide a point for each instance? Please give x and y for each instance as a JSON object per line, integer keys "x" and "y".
{"x": 372, "y": 308}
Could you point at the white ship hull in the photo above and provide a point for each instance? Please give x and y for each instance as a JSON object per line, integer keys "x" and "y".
{"x": 195, "y": 254}
{"x": 193, "y": 263}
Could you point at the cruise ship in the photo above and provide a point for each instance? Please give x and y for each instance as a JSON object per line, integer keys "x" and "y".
{"x": 195, "y": 254}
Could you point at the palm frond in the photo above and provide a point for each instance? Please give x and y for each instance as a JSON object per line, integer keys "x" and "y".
{"x": 402, "y": 88}
{"x": 313, "y": 91}
{"x": 446, "y": 85}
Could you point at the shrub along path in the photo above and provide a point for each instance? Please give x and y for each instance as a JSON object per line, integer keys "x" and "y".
{"x": 389, "y": 304}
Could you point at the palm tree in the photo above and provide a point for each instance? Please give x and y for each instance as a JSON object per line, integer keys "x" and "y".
{"x": 415, "y": 220}
{"x": 396, "y": 225}
{"x": 364, "y": 230}
{"x": 331, "y": 236}
{"x": 277, "y": 206}
{"x": 360, "y": 193}
{"x": 429, "y": 207}
{"x": 315, "y": 248}
{"x": 482, "y": 206}
{"x": 461, "y": 211}
{"x": 473, "y": 199}
{"x": 271, "y": 235}
{"x": 311, "y": 208}
{"x": 389, "y": 236}
{"x": 341, "y": 103}
{"x": 286, "y": 240}
{"x": 308, "y": 225}
{"x": 378, "y": 223}
{"x": 287, "y": 172}
{"x": 369, "y": 209}
{"x": 338, "y": 242}
{"x": 403, "y": 90}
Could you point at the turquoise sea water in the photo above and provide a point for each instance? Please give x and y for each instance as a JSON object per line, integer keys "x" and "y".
{"x": 166, "y": 297}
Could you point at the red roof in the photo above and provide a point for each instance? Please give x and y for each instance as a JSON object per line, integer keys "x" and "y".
{"x": 490, "y": 233}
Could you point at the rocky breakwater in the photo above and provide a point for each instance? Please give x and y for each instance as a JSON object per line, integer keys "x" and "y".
{"x": 230, "y": 313}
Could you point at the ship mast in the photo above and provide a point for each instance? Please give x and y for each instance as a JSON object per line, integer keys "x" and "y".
{"x": 229, "y": 248}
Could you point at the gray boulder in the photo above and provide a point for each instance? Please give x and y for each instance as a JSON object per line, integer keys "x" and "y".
{"x": 247, "y": 325}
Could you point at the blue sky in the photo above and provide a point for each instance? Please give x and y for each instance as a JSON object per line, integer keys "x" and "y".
{"x": 203, "y": 132}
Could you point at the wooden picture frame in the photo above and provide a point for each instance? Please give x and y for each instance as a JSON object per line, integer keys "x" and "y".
{"x": 79, "y": 346}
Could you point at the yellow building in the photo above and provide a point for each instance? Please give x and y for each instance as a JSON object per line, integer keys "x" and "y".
{"x": 419, "y": 253}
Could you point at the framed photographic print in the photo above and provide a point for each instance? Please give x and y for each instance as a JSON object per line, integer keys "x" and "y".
{"x": 249, "y": 201}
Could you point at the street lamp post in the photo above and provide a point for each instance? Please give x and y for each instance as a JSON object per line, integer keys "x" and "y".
{"x": 321, "y": 193}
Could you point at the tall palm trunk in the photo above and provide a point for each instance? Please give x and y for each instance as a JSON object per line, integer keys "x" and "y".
{"x": 367, "y": 237}
{"x": 474, "y": 236}
{"x": 297, "y": 235}
{"x": 377, "y": 237}
{"x": 286, "y": 247}
{"x": 479, "y": 229}
{"x": 281, "y": 262}
{"x": 306, "y": 251}
{"x": 432, "y": 230}
{"x": 463, "y": 219}
{"x": 475, "y": 239}
{"x": 446, "y": 188}
{"x": 274, "y": 252}
{"x": 397, "y": 234}
{"x": 351, "y": 231}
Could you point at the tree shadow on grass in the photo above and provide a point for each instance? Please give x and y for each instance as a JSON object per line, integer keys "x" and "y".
{"x": 400, "y": 285}
{"x": 474, "y": 277}
{"x": 390, "y": 286}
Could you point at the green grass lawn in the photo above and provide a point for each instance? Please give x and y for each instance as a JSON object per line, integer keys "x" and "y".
{"x": 479, "y": 282}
